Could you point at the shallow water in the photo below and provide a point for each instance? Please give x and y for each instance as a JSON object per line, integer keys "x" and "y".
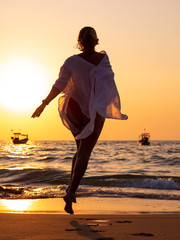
{"x": 120, "y": 169}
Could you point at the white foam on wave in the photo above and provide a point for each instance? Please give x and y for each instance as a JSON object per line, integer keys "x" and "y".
{"x": 167, "y": 184}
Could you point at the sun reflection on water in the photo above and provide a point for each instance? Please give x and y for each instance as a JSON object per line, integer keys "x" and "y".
{"x": 33, "y": 155}
{"x": 16, "y": 150}
{"x": 19, "y": 156}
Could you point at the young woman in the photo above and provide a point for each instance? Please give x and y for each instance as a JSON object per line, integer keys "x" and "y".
{"x": 89, "y": 96}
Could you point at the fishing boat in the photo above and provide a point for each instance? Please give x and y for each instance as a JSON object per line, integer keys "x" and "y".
{"x": 144, "y": 139}
{"x": 19, "y": 138}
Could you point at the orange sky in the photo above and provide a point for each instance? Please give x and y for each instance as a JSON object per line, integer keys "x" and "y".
{"x": 141, "y": 38}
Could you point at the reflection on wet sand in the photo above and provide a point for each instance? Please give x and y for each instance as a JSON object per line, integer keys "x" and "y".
{"x": 16, "y": 205}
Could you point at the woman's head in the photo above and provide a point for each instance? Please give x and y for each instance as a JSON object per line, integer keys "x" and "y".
{"x": 87, "y": 39}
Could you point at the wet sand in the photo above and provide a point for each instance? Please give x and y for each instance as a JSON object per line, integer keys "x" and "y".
{"x": 81, "y": 226}
{"x": 119, "y": 206}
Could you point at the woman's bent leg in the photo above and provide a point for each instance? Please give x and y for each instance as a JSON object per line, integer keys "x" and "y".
{"x": 83, "y": 154}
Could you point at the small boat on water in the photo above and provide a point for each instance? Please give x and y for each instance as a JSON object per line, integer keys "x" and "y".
{"x": 144, "y": 139}
{"x": 19, "y": 138}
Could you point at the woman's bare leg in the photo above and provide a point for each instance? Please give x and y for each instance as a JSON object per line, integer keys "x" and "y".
{"x": 73, "y": 163}
{"x": 83, "y": 154}
{"x": 80, "y": 162}
{"x": 69, "y": 198}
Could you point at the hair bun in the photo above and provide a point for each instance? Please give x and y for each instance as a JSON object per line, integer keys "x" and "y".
{"x": 87, "y": 39}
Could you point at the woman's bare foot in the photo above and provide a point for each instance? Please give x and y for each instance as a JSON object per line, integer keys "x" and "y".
{"x": 69, "y": 198}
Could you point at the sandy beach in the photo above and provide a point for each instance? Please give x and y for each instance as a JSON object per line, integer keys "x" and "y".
{"x": 94, "y": 218}
{"x": 104, "y": 227}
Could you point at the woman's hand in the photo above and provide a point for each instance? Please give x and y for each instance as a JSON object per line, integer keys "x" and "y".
{"x": 53, "y": 93}
{"x": 39, "y": 110}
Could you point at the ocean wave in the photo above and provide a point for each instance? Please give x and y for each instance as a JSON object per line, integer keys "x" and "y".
{"x": 127, "y": 193}
{"x": 135, "y": 181}
{"x": 167, "y": 184}
{"x": 33, "y": 176}
{"x": 47, "y": 159}
{"x": 51, "y": 176}
{"x": 116, "y": 169}
{"x": 173, "y": 151}
{"x": 51, "y": 149}
{"x": 11, "y": 192}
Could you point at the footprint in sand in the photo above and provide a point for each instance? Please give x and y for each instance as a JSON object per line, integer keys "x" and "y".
{"x": 108, "y": 238}
{"x": 143, "y": 234}
{"x": 85, "y": 228}
{"x": 97, "y": 231}
{"x": 123, "y": 222}
{"x": 72, "y": 229}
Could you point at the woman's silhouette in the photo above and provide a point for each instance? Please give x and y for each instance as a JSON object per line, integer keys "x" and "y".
{"x": 90, "y": 96}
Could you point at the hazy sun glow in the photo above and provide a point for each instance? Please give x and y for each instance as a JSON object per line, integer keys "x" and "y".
{"x": 17, "y": 205}
{"x": 22, "y": 85}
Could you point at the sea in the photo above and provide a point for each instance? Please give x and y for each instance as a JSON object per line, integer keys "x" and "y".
{"x": 117, "y": 169}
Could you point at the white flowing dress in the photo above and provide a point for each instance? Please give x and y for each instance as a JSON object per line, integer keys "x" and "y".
{"x": 92, "y": 87}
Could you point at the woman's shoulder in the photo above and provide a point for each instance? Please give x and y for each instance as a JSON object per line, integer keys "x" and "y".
{"x": 70, "y": 59}
{"x": 69, "y": 62}
{"x": 104, "y": 55}
{"x": 99, "y": 57}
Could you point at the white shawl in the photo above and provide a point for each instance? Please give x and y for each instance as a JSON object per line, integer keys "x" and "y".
{"x": 92, "y": 87}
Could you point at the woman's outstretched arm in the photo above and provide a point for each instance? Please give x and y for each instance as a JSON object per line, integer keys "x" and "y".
{"x": 53, "y": 93}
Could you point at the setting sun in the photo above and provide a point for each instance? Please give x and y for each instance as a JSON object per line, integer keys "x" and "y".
{"x": 22, "y": 85}
{"x": 141, "y": 39}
